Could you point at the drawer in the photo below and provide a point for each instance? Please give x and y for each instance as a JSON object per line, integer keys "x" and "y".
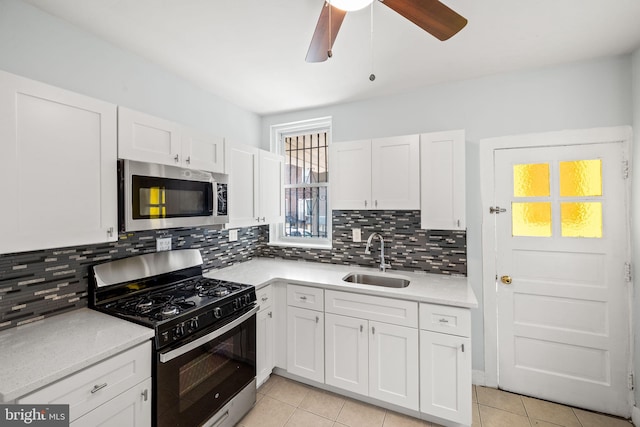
{"x": 89, "y": 388}
{"x": 446, "y": 319}
{"x": 386, "y": 310}
{"x": 305, "y": 297}
{"x": 264, "y": 297}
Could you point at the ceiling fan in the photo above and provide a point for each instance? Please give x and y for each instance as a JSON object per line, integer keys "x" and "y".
{"x": 432, "y": 16}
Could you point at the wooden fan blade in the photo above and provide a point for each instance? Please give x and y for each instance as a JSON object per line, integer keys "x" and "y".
{"x": 320, "y": 45}
{"x": 432, "y": 16}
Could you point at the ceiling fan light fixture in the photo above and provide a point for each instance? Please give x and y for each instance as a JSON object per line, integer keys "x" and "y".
{"x": 350, "y": 5}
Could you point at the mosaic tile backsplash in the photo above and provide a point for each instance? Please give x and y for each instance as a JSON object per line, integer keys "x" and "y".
{"x": 407, "y": 247}
{"x": 38, "y": 284}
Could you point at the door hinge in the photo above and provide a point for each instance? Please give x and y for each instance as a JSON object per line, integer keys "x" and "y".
{"x": 627, "y": 272}
{"x": 496, "y": 210}
{"x": 625, "y": 169}
{"x": 630, "y": 382}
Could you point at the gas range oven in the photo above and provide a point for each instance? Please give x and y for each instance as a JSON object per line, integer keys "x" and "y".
{"x": 205, "y": 334}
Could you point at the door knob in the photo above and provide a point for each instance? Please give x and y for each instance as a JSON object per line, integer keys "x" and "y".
{"x": 506, "y": 280}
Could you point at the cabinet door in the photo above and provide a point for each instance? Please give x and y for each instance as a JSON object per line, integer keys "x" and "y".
{"x": 271, "y": 188}
{"x": 351, "y": 175}
{"x": 347, "y": 353}
{"x": 264, "y": 344}
{"x": 445, "y": 376}
{"x": 131, "y": 408}
{"x": 201, "y": 151}
{"x": 305, "y": 343}
{"x": 242, "y": 163}
{"x": 442, "y": 162}
{"x": 58, "y": 153}
{"x": 147, "y": 138}
{"x": 395, "y": 172}
{"x": 393, "y": 364}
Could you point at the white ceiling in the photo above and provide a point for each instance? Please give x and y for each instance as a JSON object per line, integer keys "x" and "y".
{"x": 251, "y": 52}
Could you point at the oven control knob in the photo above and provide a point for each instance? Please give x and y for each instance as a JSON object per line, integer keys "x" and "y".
{"x": 236, "y": 304}
{"x": 217, "y": 312}
{"x": 178, "y": 331}
{"x": 193, "y": 324}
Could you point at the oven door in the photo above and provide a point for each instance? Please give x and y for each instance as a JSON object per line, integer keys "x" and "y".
{"x": 195, "y": 380}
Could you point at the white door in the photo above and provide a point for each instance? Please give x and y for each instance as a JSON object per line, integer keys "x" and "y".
{"x": 351, "y": 175}
{"x": 347, "y": 353}
{"x": 242, "y": 165}
{"x": 264, "y": 344}
{"x": 202, "y": 151}
{"x": 271, "y": 189}
{"x": 395, "y": 172}
{"x": 393, "y": 364}
{"x": 305, "y": 343}
{"x": 563, "y": 321}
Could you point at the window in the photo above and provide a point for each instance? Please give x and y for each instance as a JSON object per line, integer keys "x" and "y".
{"x": 305, "y": 147}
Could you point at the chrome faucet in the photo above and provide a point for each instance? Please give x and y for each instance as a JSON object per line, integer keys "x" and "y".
{"x": 383, "y": 266}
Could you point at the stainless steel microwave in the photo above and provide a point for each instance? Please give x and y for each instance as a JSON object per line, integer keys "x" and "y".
{"x": 153, "y": 196}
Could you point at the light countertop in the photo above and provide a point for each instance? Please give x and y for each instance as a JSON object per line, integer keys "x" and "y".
{"x": 431, "y": 288}
{"x": 39, "y": 353}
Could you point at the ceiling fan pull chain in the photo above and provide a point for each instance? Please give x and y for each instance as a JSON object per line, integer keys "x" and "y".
{"x": 329, "y": 53}
{"x": 372, "y": 76}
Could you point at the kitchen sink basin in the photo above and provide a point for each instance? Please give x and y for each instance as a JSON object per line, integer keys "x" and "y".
{"x": 377, "y": 280}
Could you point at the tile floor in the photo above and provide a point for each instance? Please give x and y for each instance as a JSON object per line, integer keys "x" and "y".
{"x": 285, "y": 403}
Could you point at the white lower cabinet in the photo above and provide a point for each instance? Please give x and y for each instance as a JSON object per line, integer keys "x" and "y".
{"x": 305, "y": 332}
{"x": 368, "y": 356}
{"x": 445, "y": 363}
{"x": 114, "y": 392}
{"x": 265, "y": 336}
{"x": 305, "y": 343}
{"x": 131, "y": 408}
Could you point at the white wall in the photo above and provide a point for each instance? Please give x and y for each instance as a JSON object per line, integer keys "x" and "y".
{"x": 635, "y": 212}
{"x": 579, "y": 95}
{"x": 37, "y": 45}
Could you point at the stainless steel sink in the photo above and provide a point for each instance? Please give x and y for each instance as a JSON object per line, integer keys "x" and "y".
{"x": 377, "y": 280}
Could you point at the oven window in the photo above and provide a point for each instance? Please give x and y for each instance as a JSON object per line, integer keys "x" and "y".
{"x": 170, "y": 198}
{"x": 192, "y": 387}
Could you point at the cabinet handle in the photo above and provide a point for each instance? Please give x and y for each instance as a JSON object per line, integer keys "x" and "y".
{"x": 145, "y": 394}
{"x": 373, "y": 330}
{"x": 317, "y": 319}
{"x": 110, "y": 232}
{"x": 458, "y": 223}
{"x": 376, "y": 203}
{"x": 176, "y": 158}
{"x": 98, "y": 387}
{"x": 270, "y": 314}
{"x": 463, "y": 348}
{"x": 188, "y": 160}
{"x": 264, "y": 219}
{"x": 443, "y": 321}
{"x": 303, "y": 297}
{"x": 365, "y": 203}
{"x": 361, "y": 328}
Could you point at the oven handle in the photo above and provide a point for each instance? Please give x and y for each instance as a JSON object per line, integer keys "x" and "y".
{"x": 170, "y": 355}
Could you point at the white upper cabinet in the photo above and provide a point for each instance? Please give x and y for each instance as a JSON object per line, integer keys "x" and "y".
{"x": 350, "y": 164}
{"x": 58, "y": 153}
{"x": 146, "y": 138}
{"x": 255, "y": 186}
{"x": 383, "y": 173}
{"x": 442, "y": 163}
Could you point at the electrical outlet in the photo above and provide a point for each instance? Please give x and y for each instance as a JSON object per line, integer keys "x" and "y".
{"x": 163, "y": 244}
{"x": 356, "y": 235}
{"x": 233, "y": 235}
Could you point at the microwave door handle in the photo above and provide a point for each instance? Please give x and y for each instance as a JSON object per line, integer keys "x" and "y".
{"x": 172, "y": 354}
{"x": 213, "y": 200}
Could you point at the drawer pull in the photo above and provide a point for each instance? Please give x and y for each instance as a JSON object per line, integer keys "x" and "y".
{"x": 145, "y": 394}
{"x": 443, "y": 321}
{"x": 303, "y": 298}
{"x": 463, "y": 348}
{"x": 361, "y": 328}
{"x": 270, "y": 314}
{"x": 373, "y": 330}
{"x": 98, "y": 387}
{"x": 317, "y": 319}
{"x": 264, "y": 298}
